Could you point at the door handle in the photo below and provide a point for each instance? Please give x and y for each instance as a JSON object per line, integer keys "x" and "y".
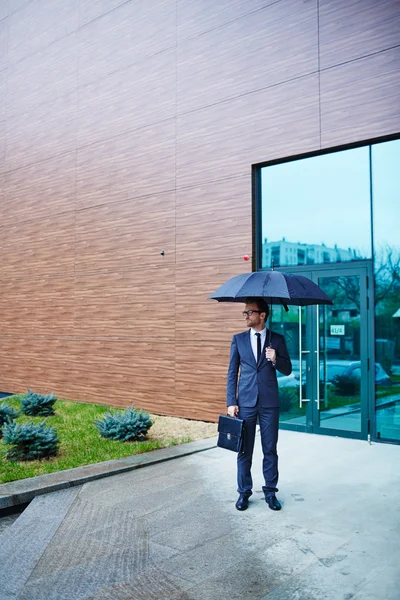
{"x": 317, "y": 399}
{"x": 301, "y": 352}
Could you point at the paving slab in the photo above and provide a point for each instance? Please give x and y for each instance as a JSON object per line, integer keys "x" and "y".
{"x": 22, "y": 544}
{"x": 20, "y": 492}
{"x": 171, "y": 530}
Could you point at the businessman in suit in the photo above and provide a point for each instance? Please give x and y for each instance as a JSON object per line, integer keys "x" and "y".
{"x": 252, "y": 392}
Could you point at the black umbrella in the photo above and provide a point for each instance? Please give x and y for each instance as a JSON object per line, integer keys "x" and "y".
{"x": 275, "y": 287}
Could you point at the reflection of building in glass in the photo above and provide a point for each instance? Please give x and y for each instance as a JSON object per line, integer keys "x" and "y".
{"x": 283, "y": 253}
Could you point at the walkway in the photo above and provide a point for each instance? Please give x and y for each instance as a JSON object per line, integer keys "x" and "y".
{"x": 170, "y": 531}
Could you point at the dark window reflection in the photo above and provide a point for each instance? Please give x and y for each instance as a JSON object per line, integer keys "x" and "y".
{"x": 317, "y": 210}
{"x": 386, "y": 220}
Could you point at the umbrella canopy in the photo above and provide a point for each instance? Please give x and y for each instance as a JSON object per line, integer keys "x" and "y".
{"x": 276, "y": 287}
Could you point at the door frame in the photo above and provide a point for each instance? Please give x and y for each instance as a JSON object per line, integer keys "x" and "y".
{"x": 367, "y": 399}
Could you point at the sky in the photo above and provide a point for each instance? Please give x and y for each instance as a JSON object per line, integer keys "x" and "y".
{"x": 326, "y": 199}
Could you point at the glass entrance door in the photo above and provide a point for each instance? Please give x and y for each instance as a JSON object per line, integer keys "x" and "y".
{"x": 328, "y": 391}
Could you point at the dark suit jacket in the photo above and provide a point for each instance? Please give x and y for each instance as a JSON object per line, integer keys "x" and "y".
{"x": 255, "y": 381}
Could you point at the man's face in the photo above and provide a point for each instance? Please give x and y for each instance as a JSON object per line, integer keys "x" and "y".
{"x": 254, "y": 320}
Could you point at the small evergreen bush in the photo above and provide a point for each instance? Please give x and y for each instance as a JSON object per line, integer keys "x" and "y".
{"x": 288, "y": 399}
{"x": 7, "y": 414}
{"x": 30, "y": 441}
{"x": 37, "y": 404}
{"x": 346, "y": 385}
{"x": 126, "y": 426}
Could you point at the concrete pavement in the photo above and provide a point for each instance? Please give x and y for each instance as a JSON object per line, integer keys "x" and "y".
{"x": 16, "y": 493}
{"x": 170, "y": 531}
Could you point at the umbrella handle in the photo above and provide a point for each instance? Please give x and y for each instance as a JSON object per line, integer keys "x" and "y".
{"x": 268, "y": 359}
{"x": 266, "y": 347}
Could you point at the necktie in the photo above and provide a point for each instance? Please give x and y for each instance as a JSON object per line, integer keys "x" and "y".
{"x": 258, "y": 346}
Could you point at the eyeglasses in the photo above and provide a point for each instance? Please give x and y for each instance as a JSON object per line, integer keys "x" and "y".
{"x": 248, "y": 313}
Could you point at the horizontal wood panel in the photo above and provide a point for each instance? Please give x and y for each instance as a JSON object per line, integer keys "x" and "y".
{"x": 254, "y": 51}
{"x": 45, "y": 76}
{"x": 203, "y": 324}
{"x": 1, "y": 249}
{"x": 210, "y": 227}
{"x": 207, "y": 410}
{"x": 201, "y": 250}
{"x": 201, "y": 385}
{"x": 38, "y": 24}
{"x": 94, "y": 171}
{"x": 1, "y": 200}
{"x": 138, "y": 304}
{"x": 128, "y": 99}
{"x": 137, "y": 212}
{"x": 135, "y": 164}
{"x": 126, "y": 234}
{"x": 125, "y": 35}
{"x": 40, "y": 247}
{"x": 41, "y": 363}
{"x": 214, "y": 274}
{"x": 225, "y": 139}
{"x": 213, "y": 209}
{"x": 37, "y": 306}
{"x": 3, "y": 76}
{"x": 193, "y": 286}
{"x": 144, "y": 162}
{"x": 203, "y": 321}
{"x": 41, "y": 132}
{"x": 88, "y": 10}
{"x": 365, "y": 28}
{"x": 41, "y": 190}
{"x": 3, "y": 45}
{"x": 205, "y": 219}
{"x": 106, "y": 162}
{"x": 14, "y": 5}
{"x": 112, "y": 372}
{"x": 2, "y": 146}
{"x": 194, "y": 17}
{"x": 193, "y": 264}
{"x": 360, "y": 99}
{"x": 139, "y": 373}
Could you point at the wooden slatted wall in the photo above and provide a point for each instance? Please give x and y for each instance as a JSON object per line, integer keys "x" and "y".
{"x": 131, "y": 127}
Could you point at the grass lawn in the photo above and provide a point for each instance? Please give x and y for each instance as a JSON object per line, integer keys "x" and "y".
{"x": 80, "y": 441}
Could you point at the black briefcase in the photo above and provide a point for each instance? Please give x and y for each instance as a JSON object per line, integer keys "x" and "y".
{"x": 230, "y": 433}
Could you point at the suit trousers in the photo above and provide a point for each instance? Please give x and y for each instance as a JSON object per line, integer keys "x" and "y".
{"x": 269, "y": 425}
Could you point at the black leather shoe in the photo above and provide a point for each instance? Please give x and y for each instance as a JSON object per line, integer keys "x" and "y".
{"x": 273, "y": 502}
{"x": 242, "y": 502}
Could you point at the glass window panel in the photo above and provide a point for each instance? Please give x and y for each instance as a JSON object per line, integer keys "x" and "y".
{"x": 291, "y": 324}
{"x": 386, "y": 227}
{"x": 339, "y": 355}
{"x": 317, "y": 210}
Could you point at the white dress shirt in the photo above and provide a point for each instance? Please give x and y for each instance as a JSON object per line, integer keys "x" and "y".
{"x": 253, "y": 339}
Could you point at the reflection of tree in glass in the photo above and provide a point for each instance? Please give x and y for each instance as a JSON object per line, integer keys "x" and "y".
{"x": 387, "y": 303}
{"x": 387, "y": 275}
{"x": 346, "y": 385}
{"x": 343, "y": 290}
{"x": 288, "y": 399}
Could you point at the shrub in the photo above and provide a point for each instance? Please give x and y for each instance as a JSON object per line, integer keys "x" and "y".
{"x": 7, "y": 414}
{"x": 30, "y": 441}
{"x": 346, "y": 385}
{"x": 37, "y": 404}
{"x": 288, "y": 399}
{"x": 126, "y": 426}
